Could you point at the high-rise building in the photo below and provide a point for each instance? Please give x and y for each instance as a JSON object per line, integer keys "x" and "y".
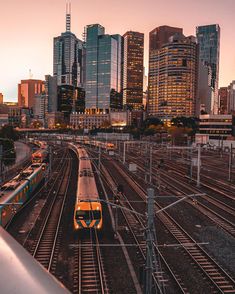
{"x": 1, "y": 98}
{"x": 70, "y": 100}
{"x": 231, "y": 98}
{"x": 173, "y": 73}
{"x": 40, "y": 107}
{"x": 223, "y": 100}
{"x": 160, "y": 36}
{"x": 51, "y": 92}
{"x": 133, "y": 69}
{"x": 27, "y": 90}
{"x": 103, "y": 70}
{"x": 67, "y": 56}
{"x": 205, "y": 94}
{"x": 208, "y": 38}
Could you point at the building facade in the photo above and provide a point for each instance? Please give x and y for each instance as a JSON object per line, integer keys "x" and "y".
{"x": 54, "y": 120}
{"x": 103, "y": 69}
{"x": 51, "y": 93}
{"x": 208, "y": 38}
{"x": 27, "y": 90}
{"x": 223, "y": 100}
{"x": 89, "y": 121}
{"x": 133, "y": 69}
{"x": 214, "y": 127}
{"x": 1, "y": 98}
{"x": 71, "y": 100}
{"x": 205, "y": 92}
{"x": 67, "y": 56}
{"x": 173, "y": 74}
{"x": 231, "y": 98}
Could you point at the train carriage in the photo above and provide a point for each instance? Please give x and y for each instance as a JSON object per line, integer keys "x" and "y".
{"x": 88, "y": 209}
{"x": 15, "y": 192}
{"x": 39, "y": 156}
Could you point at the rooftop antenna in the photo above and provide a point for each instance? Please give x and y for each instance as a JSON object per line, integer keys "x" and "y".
{"x": 30, "y": 74}
{"x": 68, "y": 16}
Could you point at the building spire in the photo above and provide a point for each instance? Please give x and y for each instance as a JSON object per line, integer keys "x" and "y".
{"x": 68, "y": 16}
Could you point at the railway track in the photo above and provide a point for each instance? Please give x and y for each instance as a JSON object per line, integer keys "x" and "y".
{"x": 176, "y": 184}
{"x": 136, "y": 225}
{"x": 222, "y": 282}
{"x": 92, "y": 278}
{"x": 46, "y": 246}
{"x": 220, "y": 186}
{"x": 43, "y": 192}
{"x": 42, "y": 241}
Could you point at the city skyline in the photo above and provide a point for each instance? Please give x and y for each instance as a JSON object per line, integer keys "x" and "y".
{"x": 32, "y": 35}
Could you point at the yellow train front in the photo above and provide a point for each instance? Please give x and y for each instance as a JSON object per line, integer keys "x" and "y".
{"x": 88, "y": 209}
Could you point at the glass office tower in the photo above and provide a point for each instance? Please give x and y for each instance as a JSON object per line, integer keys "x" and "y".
{"x": 103, "y": 70}
{"x": 208, "y": 38}
{"x": 133, "y": 69}
{"x": 67, "y": 56}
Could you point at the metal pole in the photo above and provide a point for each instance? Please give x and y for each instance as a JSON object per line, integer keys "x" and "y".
{"x": 99, "y": 162}
{"x": 230, "y": 163}
{"x": 149, "y": 244}
{"x": 124, "y": 153}
{"x": 150, "y": 165}
{"x": 50, "y": 160}
{"x": 1, "y": 164}
{"x": 116, "y": 220}
{"x": 191, "y": 164}
{"x": 198, "y": 165}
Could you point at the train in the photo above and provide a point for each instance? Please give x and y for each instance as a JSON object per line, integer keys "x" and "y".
{"x": 18, "y": 190}
{"x": 40, "y": 156}
{"x": 107, "y": 146}
{"x": 88, "y": 209}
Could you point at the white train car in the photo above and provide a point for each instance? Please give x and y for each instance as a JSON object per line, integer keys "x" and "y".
{"x": 88, "y": 209}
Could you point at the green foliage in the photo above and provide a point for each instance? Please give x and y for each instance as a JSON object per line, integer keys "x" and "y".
{"x": 152, "y": 121}
{"x": 9, "y": 132}
{"x": 186, "y": 122}
{"x": 8, "y": 151}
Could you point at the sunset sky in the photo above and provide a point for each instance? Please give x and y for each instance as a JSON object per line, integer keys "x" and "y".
{"x": 27, "y": 28}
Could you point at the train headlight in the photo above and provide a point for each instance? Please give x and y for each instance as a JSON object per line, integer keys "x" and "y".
{"x": 99, "y": 226}
{"x": 97, "y": 208}
{"x": 79, "y": 208}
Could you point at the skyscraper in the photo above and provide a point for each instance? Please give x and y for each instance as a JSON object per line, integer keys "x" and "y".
{"x": 223, "y": 100}
{"x": 51, "y": 92}
{"x": 231, "y": 98}
{"x": 27, "y": 90}
{"x": 67, "y": 56}
{"x": 103, "y": 70}
{"x": 208, "y": 38}
{"x": 133, "y": 69}
{"x": 173, "y": 73}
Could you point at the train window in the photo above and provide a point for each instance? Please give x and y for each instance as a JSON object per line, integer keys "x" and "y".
{"x": 88, "y": 214}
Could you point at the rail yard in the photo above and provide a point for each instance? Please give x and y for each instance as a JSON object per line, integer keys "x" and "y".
{"x": 87, "y": 218}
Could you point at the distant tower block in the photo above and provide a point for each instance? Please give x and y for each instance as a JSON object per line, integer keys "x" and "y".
{"x": 68, "y": 16}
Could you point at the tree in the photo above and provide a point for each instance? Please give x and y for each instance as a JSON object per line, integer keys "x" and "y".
{"x": 179, "y": 135}
{"x": 8, "y": 151}
{"x": 9, "y": 132}
{"x": 186, "y": 122}
{"x": 152, "y": 121}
